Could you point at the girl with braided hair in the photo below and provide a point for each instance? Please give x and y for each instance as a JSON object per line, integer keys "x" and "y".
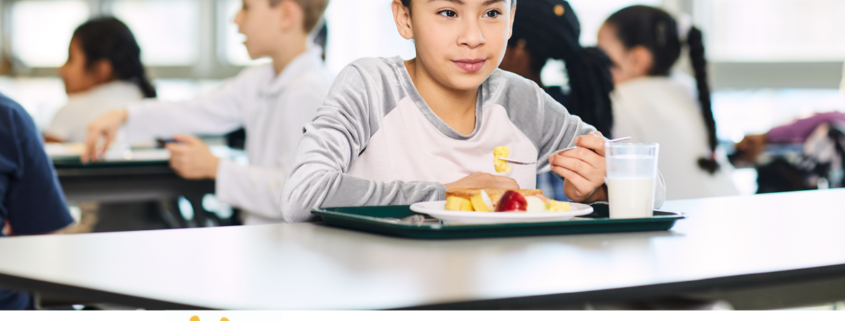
{"x": 651, "y": 104}
{"x": 549, "y": 29}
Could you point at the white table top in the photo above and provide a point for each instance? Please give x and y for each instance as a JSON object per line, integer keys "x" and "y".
{"x": 309, "y": 266}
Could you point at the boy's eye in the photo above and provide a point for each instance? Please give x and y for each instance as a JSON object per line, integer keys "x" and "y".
{"x": 448, "y": 13}
{"x": 492, "y": 13}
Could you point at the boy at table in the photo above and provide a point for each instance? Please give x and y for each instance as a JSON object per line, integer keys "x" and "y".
{"x": 31, "y": 200}
{"x": 272, "y": 102}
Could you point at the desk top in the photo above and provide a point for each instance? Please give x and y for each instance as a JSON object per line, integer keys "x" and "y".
{"x": 135, "y": 162}
{"x": 310, "y": 266}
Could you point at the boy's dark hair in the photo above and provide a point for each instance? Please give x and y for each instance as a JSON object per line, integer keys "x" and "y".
{"x": 312, "y": 10}
{"x": 108, "y": 38}
{"x": 550, "y": 30}
{"x": 657, "y": 31}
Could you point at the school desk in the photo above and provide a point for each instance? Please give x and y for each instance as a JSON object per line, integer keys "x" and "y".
{"x": 756, "y": 252}
{"x": 125, "y": 181}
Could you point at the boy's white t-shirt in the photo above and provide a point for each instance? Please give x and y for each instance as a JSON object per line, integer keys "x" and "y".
{"x": 665, "y": 110}
{"x": 71, "y": 121}
{"x": 272, "y": 110}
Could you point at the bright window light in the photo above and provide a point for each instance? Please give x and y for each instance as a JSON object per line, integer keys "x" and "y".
{"x": 773, "y": 30}
{"x": 362, "y": 28}
{"x": 166, "y": 30}
{"x": 592, "y": 14}
{"x": 37, "y": 43}
{"x": 233, "y": 50}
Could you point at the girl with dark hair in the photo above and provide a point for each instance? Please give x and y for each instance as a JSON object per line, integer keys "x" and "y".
{"x": 652, "y": 104}
{"x": 549, "y": 29}
{"x": 103, "y": 72}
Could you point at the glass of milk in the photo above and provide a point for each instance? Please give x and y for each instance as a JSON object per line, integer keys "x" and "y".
{"x": 631, "y": 171}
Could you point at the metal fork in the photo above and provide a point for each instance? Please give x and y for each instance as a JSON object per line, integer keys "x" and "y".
{"x": 562, "y": 150}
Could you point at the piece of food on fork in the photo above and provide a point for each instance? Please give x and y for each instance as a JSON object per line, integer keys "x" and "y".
{"x": 500, "y": 165}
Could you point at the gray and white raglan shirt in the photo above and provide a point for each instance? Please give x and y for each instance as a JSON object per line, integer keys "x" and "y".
{"x": 375, "y": 141}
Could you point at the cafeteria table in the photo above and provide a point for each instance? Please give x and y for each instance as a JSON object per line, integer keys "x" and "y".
{"x": 142, "y": 179}
{"x": 754, "y": 252}
{"x": 125, "y": 181}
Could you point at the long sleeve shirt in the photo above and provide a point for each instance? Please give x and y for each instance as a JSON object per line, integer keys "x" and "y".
{"x": 272, "y": 109}
{"x": 799, "y": 130}
{"x": 375, "y": 141}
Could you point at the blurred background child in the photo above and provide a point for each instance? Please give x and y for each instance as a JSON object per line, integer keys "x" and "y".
{"x": 549, "y": 29}
{"x": 272, "y": 102}
{"x": 103, "y": 72}
{"x": 651, "y": 104}
{"x": 31, "y": 200}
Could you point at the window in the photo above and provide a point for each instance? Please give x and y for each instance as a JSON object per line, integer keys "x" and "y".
{"x": 742, "y": 112}
{"x": 773, "y": 30}
{"x": 233, "y": 50}
{"x": 166, "y": 30}
{"x": 592, "y": 14}
{"x": 362, "y": 28}
{"x": 37, "y": 43}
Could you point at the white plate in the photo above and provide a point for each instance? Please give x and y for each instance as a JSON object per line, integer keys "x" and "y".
{"x": 436, "y": 209}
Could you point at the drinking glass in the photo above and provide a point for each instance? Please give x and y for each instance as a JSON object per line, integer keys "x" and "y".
{"x": 631, "y": 174}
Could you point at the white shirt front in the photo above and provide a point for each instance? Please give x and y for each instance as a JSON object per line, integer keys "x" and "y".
{"x": 272, "y": 110}
{"x": 665, "y": 110}
{"x": 71, "y": 121}
{"x": 408, "y": 147}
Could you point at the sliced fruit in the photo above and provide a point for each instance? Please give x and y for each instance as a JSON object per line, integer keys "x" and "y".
{"x": 512, "y": 201}
{"x": 458, "y": 204}
{"x": 555, "y": 206}
{"x": 537, "y": 204}
{"x": 481, "y": 202}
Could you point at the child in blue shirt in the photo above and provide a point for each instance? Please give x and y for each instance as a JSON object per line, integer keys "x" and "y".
{"x": 31, "y": 200}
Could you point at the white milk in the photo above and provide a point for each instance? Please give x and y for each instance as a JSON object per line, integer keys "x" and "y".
{"x": 630, "y": 197}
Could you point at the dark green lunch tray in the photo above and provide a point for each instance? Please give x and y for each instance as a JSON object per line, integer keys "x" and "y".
{"x": 374, "y": 219}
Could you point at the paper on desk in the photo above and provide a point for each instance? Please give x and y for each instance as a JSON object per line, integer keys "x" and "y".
{"x": 116, "y": 154}
{"x": 64, "y": 150}
{"x": 137, "y": 155}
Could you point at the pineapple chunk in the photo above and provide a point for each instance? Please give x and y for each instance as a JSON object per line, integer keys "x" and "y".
{"x": 500, "y": 165}
{"x": 555, "y": 206}
{"x": 458, "y": 204}
{"x": 481, "y": 202}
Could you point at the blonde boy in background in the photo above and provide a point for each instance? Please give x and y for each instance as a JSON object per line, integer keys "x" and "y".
{"x": 272, "y": 102}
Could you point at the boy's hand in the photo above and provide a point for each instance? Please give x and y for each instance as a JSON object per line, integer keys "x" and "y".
{"x": 583, "y": 169}
{"x": 483, "y": 180}
{"x": 105, "y": 127}
{"x": 191, "y": 159}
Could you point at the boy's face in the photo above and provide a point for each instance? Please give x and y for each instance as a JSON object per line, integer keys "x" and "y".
{"x": 261, "y": 24}
{"x": 460, "y": 42}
